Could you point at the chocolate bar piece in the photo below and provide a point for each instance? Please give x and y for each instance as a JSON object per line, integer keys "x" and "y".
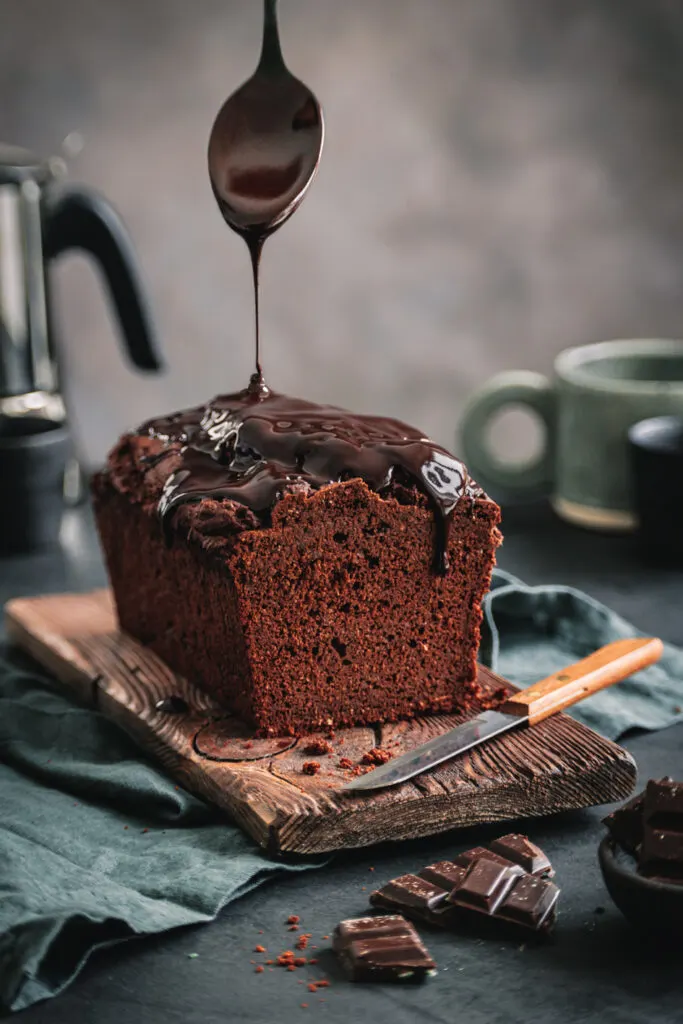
{"x": 509, "y": 850}
{"x": 485, "y": 885}
{"x": 480, "y": 880}
{"x": 468, "y": 857}
{"x": 531, "y": 902}
{"x": 520, "y": 850}
{"x": 410, "y": 892}
{"x": 661, "y": 849}
{"x": 625, "y": 825}
{"x": 663, "y": 796}
{"x": 382, "y": 949}
{"x": 445, "y": 874}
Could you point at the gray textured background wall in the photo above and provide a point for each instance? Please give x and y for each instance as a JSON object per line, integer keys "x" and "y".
{"x": 502, "y": 178}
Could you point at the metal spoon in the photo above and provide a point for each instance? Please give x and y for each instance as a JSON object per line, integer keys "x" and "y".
{"x": 264, "y": 150}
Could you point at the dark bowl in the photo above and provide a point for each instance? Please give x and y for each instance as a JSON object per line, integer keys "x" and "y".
{"x": 653, "y": 906}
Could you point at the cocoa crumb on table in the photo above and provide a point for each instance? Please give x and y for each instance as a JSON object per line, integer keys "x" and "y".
{"x": 260, "y": 949}
{"x": 345, "y": 762}
{"x": 376, "y": 756}
{"x": 313, "y": 986}
{"x": 318, "y": 747}
{"x": 293, "y": 919}
{"x": 310, "y": 767}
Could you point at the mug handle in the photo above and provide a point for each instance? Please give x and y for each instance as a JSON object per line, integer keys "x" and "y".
{"x": 518, "y": 479}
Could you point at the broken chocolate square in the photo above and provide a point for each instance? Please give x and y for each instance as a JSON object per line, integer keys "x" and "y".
{"x": 530, "y": 902}
{"x": 382, "y": 949}
{"x": 520, "y": 850}
{"x": 485, "y": 885}
{"x": 468, "y": 857}
{"x": 444, "y": 873}
{"x": 410, "y": 892}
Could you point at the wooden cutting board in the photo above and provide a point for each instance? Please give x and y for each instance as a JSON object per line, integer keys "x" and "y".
{"x": 558, "y": 765}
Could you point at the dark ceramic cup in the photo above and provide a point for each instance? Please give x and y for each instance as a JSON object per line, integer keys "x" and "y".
{"x": 656, "y": 449}
{"x": 597, "y": 392}
{"x": 33, "y": 457}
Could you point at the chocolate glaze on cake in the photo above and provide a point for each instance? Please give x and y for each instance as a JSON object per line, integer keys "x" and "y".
{"x": 320, "y": 612}
{"x": 254, "y": 446}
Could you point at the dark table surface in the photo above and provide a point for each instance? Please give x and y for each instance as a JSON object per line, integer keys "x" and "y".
{"x": 596, "y": 969}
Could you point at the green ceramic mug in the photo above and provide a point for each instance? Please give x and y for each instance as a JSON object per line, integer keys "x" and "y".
{"x": 597, "y": 393}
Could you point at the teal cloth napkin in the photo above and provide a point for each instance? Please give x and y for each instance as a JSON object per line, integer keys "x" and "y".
{"x": 531, "y": 632}
{"x": 97, "y": 845}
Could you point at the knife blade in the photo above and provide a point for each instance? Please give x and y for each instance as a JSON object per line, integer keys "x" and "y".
{"x": 608, "y": 665}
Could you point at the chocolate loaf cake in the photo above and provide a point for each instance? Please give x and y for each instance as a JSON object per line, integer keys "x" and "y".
{"x": 307, "y": 567}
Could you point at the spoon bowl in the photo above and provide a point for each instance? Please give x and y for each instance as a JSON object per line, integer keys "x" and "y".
{"x": 265, "y": 143}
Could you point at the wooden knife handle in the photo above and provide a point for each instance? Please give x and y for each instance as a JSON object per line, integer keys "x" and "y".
{"x": 608, "y": 665}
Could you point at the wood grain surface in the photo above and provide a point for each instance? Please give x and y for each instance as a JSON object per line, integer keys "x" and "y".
{"x": 558, "y": 765}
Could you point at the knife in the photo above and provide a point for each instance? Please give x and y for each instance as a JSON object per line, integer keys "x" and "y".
{"x": 604, "y": 667}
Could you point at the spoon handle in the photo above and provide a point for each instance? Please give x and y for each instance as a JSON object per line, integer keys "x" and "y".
{"x": 271, "y": 52}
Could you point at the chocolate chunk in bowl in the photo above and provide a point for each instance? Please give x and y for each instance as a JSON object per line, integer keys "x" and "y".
{"x": 642, "y": 859}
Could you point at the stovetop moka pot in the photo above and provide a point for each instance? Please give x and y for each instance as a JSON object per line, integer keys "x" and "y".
{"x": 40, "y": 218}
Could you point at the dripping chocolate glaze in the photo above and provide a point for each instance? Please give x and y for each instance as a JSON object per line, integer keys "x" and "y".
{"x": 264, "y": 151}
{"x": 254, "y": 446}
